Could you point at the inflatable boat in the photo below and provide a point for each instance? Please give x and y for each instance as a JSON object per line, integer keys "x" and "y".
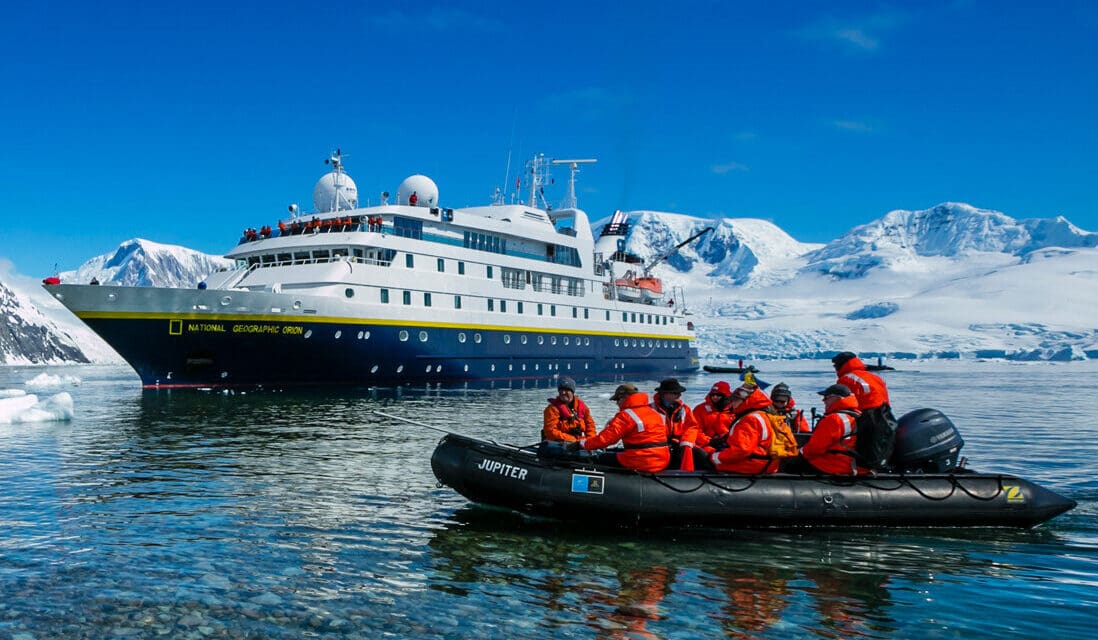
{"x": 932, "y": 493}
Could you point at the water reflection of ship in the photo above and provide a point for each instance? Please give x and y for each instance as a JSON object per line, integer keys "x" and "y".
{"x": 739, "y": 583}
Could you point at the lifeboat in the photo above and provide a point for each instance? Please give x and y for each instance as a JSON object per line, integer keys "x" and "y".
{"x": 577, "y": 489}
{"x": 645, "y": 289}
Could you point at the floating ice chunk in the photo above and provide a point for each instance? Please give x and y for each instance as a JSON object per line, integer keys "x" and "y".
{"x": 13, "y": 406}
{"x": 55, "y": 408}
{"x": 12, "y": 393}
{"x": 46, "y": 381}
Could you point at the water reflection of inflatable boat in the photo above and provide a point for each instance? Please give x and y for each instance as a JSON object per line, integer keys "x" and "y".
{"x": 518, "y": 478}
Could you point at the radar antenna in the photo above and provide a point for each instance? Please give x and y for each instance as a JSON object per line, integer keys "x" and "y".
{"x": 569, "y": 201}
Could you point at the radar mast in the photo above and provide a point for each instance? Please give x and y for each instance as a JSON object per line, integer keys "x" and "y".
{"x": 569, "y": 201}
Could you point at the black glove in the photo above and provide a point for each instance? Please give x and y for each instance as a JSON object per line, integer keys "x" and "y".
{"x": 720, "y": 442}
{"x": 575, "y": 431}
{"x": 572, "y": 447}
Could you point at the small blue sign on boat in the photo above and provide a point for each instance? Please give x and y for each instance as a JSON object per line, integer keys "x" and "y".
{"x": 583, "y": 483}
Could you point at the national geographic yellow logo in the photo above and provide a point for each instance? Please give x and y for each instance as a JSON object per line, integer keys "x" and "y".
{"x": 1014, "y": 494}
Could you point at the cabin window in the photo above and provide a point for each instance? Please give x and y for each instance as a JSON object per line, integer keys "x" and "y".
{"x": 426, "y": 299}
{"x": 384, "y": 296}
{"x": 520, "y": 307}
{"x": 575, "y": 312}
{"x": 441, "y": 265}
{"x": 506, "y": 339}
{"x": 301, "y": 256}
{"x": 407, "y": 228}
{"x": 461, "y": 268}
{"x": 522, "y": 339}
{"x": 540, "y": 309}
{"x": 402, "y": 336}
{"x": 503, "y": 306}
{"x": 339, "y": 252}
{"x": 358, "y": 253}
{"x": 407, "y": 297}
{"x": 608, "y": 316}
{"x": 586, "y": 314}
{"x": 410, "y": 261}
{"x": 322, "y": 255}
{"x": 491, "y": 305}
{"x": 457, "y": 302}
{"x": 553, "y": 310}
{"x": 489, "y": 272}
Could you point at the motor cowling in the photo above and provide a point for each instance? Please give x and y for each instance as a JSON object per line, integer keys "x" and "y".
{"x": 926, "y": 442}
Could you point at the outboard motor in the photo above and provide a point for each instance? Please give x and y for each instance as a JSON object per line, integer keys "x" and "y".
{"x": 926, "y": 442}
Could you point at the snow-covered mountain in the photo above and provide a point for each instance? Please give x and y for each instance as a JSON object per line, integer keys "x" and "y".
{"x": 949, "y": 281}
{"x": 38, "y": 329}
{"x": 142, "y": 263}
{"x": 27, "y": 336}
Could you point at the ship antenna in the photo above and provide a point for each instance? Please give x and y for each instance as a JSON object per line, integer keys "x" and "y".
{"x": 573, "y": 168}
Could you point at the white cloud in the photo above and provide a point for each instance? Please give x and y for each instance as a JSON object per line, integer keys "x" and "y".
{"x": 856, "y": 126}
{"x": 729, "y": 167}
{"x": 860, "y": 35}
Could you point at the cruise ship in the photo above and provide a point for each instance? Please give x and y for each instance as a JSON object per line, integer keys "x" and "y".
{"x": 409, "y": 292}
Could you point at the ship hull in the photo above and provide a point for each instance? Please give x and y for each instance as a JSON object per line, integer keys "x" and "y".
{"x": 177, "y": 338}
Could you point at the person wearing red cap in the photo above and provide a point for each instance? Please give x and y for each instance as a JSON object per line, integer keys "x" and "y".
{"x": 748, "y": 439}
{"x": 638, "y": 427}
{"x": 830, "y": 450}
{"x": 567, "y": 418}
{"x": 715, "y": 401}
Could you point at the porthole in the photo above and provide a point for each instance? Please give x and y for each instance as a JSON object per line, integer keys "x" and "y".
{"x": 225, "y": 300}
{"x": 359, "y": 335}
{"x": 297, "y": 304}
{"x": 423, "y": 336}
{"x": 506, "y": 339}
{"x": 308, "y": 334}
{"x": 476, "y": 338}
{"x": 510, "y": 367}
{"x": 110, "y": 296}
{"x": 400, "y": 369}
{"x": 461, "y": 338}
{"x": 366, "y": 336}
{"x": 466, "y": 368}
{"x": 224, "y": 374}
{"x": 524, "y": 367}
{"x": 541, "y": 339}
{"x": 438, "y": 368}
{"x": 586, "y": 342}
{"x": 428, "y": 369}
{"x": 586, "y": 365}
{"x": 537, "y": 366}
{"x": 553, "y": 340}
{"x": 350, "y": 293}
{"x": 617, "y": 342}
{"x": 492, "y": 367}
{"x": 373, "y": 369}
{"x": 338, "y": 334}
{"x": 402, "y": 336}
{"x": 566, "y": 341}
{"x": 522, "y": 339}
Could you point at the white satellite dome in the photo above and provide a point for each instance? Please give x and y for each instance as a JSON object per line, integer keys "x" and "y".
{"x": 425, "y": 189}
{"x": 335, "y": 192}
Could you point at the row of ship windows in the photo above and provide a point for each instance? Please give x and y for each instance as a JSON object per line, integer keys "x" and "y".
{"x": 511, "y": 278}
{"x": 626, "y": 316}
{"x": 423, "y": 336}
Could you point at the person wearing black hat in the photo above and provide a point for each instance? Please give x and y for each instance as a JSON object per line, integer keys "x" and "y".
{"x": 681, "y": 426}
{"x": 830, "y": 449}
{"x": 782, "y": 403}
{"x": 876, "y": 425}
{"x": 567, "y": 418}
{"x": 638, "y": 427}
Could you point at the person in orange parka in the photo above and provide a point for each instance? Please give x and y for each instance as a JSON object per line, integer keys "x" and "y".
{"x": 748, "y": 439}
{"x": 831, "y": 448}
{"x": 638, "y": 427}
{"x": 868, "y": 388}
{"x": 715, "y": 401}
{"x": 784, "y": 405}
{"x": 681, "y": 426}
{"x": 567, "y": 418}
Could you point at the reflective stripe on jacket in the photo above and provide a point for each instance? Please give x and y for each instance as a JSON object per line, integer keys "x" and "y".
{"x": 867, "y": 387}
{"x": 831, "y": 447}
{"x": 636, "y": 425}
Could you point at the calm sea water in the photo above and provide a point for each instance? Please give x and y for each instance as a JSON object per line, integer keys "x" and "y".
{"x": 291, "y": 515}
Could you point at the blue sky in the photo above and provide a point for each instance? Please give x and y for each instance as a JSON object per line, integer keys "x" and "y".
{"x": 185, "y": 122}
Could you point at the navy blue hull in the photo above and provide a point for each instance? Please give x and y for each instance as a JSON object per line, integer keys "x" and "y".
{"x": 234, "y": 353}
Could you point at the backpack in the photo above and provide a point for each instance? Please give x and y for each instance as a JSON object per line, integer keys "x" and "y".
{"x": 876, "y": 429}
{"x": 783, "y": 444}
